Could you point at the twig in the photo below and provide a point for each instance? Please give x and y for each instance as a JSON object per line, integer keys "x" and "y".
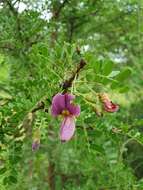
{"x": 68, "y": 83}
{"x": 56, "y": 14}
{"x": 51, "y": 175}
{"x": 15, "y": 13}
{"x": 58, "y": 11}
{"x": 39, "y": 106}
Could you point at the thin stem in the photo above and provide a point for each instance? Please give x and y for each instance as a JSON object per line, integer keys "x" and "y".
{"x": 51, "y": 175}
{"x": 86, "y": 136}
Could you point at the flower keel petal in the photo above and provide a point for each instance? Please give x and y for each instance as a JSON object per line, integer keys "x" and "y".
{"x": 67, "y": 128}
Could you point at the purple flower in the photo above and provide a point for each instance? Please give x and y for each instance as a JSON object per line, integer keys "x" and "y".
{"x": 62, "y": 105}
{"x": 36, "y": 139}
{"x": 35, "y": 145}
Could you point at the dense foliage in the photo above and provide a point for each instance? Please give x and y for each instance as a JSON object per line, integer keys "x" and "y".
{"x": 85, "y": 48}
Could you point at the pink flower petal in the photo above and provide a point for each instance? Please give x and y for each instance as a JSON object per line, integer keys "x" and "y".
{"x": 63, "y": 102}
{"x": 69, "y": 97}
{"x": 35, "y": 145}
{"x": 67, "y": 128}
{"x": 58, "y": 104}
{"x": 74, "y": 109}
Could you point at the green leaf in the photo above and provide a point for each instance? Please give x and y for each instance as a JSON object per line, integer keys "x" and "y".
{"x": 93, "y": 133}
{"x": 3, "y": 170}
{"x": 5, "y": 95}
{"x": 124, "y": 89}
{"x": 3, "y": 102}
{"x": 97, "y": 67}
{"x": 9, "y": 180}
{"x": 93, "y": 63}
{"x": 124, "y": 74}
{"x": 5, "y": 181}
{"x": 98, "y": 78}
{"x": 14, "y": 159}
{"x": 138, "y": 122}
{"x": 107, "y": 68}
{"x": 115, "y": 84}
{"x": 105, "y": 81}
{"x": 12, "y": 179}
{"x": 97, "y": 148}
{"x": 89, "y": 76}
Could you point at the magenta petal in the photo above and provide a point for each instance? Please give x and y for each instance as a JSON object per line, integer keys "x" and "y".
{"x": 67, "y": 128}
{"x": 63, "y": 102}
{"x": 69, "y": 97}
{"x": 35, "y": 145}
{"x": 74, "y": 109}
{"x": 58, "y": 104}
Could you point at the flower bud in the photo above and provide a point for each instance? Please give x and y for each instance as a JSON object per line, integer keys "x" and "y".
{"x": 36, "y": 140}
{"x": 108, "y": 105}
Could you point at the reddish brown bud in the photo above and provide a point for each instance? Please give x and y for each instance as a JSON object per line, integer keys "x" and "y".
{"x": 108, "y": 105}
